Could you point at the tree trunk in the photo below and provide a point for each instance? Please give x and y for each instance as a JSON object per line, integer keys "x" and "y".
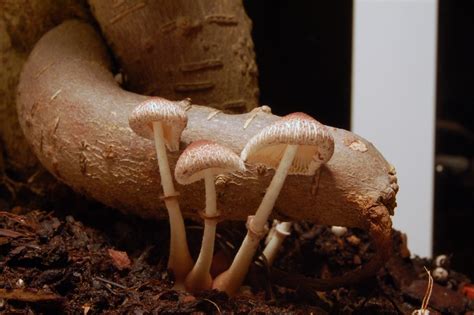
{"x": 175, "y": 49}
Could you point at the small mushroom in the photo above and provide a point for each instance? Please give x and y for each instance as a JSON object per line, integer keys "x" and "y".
{"x": 295, "y": 144}
{"x": 204, "y": 160}
{"x": 163, "y": 121}
{"x": 282, "y": 231}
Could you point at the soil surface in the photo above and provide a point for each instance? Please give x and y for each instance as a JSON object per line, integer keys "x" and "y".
{"x": 95, "y": 260}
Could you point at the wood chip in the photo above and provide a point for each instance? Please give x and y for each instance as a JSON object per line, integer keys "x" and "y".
{"x": 10, "y": 233}
{"x": 31, "y": 296}
{"x": 353, "y": 240}
{"x": 119, "y": 259}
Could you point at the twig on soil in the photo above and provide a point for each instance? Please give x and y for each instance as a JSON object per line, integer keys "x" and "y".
{"x": 215, "y": 305}
{"x": 29, "y": 296}
{"x": 10, "y": 233}
{"x": 426, "y": 299}
{"x": 118, "y": 285}
{"x": 17, "y": 218}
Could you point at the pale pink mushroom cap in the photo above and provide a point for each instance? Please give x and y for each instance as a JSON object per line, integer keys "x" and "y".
{"x": 203, "y": 155}
{"x": 316, "y": 144}
{"x": 171, "y": 114}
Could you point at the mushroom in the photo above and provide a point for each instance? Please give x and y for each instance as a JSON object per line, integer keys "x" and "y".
{"x": 282, "y": 231}
{"x": 163, "y": 121}
{"x": 204, "y": 160}
{"x": 295, "y": 144}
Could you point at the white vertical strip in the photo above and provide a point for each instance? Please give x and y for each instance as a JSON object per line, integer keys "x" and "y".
{"x": 393, "y": 101}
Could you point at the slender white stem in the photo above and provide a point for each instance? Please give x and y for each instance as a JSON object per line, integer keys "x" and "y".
{"x": 163, "y": 164}
{"x": 271, "y": 231}
{"x": 231, "y": 279}
{"x": 180, "y": 260}
{"x": 200, "y": 278}
{"x": 211, "y": 205}
{"x": 268, "y": 202}
{"x": 271, "y": 250}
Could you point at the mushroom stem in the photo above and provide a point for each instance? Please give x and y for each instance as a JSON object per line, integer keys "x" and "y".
{"x": 231, "y": 279}
{"x": 270, "y": 252}
{"x": 200, "y": 276}
{"x": 163, "y": 164}
{"x": 268, "y": 202}
{"x": 179, "y": 260}
{"x": 211, "y": 207}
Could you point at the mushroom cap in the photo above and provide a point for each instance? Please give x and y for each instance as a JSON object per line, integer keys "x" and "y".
{"x": 203, "y": 155}
{"x": 316, "y": 144}
{"x": 156, "y": 109}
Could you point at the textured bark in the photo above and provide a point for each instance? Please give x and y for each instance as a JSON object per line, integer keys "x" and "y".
{"x": 22, "y": 23}
{"x": 175, "y": 49}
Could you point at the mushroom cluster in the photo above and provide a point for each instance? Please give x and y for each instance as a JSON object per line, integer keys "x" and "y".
{"x": 76, "y": 118}
{"x": 295, "y": 144}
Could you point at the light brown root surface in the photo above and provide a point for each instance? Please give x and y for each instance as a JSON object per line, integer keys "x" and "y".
{"x": 75, "y": 116}
{"x": 22, "y": 23}
{"x": 175, "y": 49}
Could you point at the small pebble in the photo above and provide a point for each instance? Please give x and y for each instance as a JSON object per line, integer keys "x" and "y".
{"x": 353, "y": 240}
{"x": 338, "y": 230}
{"x": 440, "y": 274}
{"x": 20, "y": 283}
{"x": 188, "y": 299}
{"x": 96, "y": 284}
{"x": 441, "y": 261}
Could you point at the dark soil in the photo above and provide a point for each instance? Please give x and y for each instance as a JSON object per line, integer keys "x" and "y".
{"x": 98, "y": 261}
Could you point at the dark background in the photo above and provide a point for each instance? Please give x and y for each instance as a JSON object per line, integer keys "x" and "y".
{"x": 454, "y": 186}
{"x": 304, "y": 57}
{"x": 304, "y": 51}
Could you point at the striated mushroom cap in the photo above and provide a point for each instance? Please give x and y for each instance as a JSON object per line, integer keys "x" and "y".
{"x": 316, "y": 144}
{"x": 203, "y": 155}
{"x": 171, "y": 114}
